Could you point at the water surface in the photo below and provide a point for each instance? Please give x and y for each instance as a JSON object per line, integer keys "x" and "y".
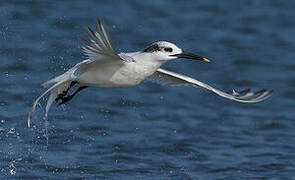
{"x": 150, "y": 131}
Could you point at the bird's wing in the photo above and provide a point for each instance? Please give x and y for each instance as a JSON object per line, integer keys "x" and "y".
{"x": 99, "y": 45}
{"x": 246, "y": 96}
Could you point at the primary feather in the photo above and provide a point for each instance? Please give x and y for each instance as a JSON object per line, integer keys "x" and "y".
{"x": 172, "y": 78}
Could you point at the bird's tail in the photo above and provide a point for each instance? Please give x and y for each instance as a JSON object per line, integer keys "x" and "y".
{"x": 56, "y": 86}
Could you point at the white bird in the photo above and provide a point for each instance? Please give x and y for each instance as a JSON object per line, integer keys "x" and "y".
{"x": 105, "y": 68}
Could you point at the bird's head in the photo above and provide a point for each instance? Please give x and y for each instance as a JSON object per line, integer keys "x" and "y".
{"x": 163, "y": 50}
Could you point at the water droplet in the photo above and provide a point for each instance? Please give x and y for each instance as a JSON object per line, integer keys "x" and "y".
{"x": 12, "y": 168}
{"x": 12, "y": 171}
{"x": 6, "y": 74}
{"x": 11, "y": 131}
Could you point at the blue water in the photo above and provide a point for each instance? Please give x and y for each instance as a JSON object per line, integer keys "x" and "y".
{"x": 150, "y": 131}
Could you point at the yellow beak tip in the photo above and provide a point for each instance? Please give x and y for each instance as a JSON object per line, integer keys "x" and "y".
{"x": 206, "y": 60}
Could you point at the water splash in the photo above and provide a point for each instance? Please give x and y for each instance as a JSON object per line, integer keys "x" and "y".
{"x": 12, "y": 166}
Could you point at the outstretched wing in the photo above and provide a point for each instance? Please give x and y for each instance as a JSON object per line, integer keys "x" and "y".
{"x": 245, "y": 96}
{"x": 99, "y": 45}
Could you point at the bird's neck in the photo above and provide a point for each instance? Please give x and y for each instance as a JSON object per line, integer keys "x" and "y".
{"x": 145, "y": 64}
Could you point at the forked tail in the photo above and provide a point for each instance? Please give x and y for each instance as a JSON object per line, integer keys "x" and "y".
{"x": 54, "y": 89}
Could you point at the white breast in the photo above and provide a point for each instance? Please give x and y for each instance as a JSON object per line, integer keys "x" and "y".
{"x": 118, "y": 73}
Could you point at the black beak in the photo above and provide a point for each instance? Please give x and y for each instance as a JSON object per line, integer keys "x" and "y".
{"x": 190, "y": 56}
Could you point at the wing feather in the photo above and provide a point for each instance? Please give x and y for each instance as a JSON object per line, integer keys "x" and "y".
{"x": 104, "y": 31}
{"x": 99, "y": 43}
{"x": 246, "y": 96}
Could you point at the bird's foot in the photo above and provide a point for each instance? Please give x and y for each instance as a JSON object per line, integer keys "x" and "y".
{"x": 60, "y": 96}
{"x": 65, "y": 99}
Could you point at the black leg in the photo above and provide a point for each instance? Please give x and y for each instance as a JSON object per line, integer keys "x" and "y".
{"x": 68, "y": 98}
{"x": 65, "y": 92}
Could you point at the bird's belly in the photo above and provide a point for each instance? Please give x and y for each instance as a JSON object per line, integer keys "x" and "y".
{"x": 125, "y": 76}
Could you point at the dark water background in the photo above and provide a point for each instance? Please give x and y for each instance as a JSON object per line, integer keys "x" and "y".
{"x": 150, "y": 131}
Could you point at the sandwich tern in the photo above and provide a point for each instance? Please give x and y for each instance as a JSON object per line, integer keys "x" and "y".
{"x": 105, "y": 68}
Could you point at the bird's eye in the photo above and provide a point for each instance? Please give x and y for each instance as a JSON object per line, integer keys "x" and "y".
{"x": 168, "y": 49}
